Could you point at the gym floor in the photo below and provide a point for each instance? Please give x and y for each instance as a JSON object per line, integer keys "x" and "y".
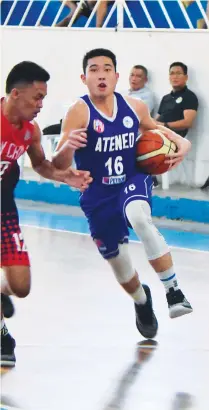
{"x": 77, "y": 344}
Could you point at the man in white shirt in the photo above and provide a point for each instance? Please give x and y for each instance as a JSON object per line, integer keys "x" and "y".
{"x": 138, "y": 88}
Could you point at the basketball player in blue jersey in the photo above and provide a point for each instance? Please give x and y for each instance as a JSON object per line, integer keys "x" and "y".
{"x": 100, "y": 130}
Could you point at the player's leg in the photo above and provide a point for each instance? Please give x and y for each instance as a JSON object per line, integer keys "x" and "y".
{"x": 6, "y": 303}
{"x": 84, "y": 10}
{"x": 128, "y": 278}
{"x": 16, "y": 281}
{"x": 138, "y": 213}
{"x": 110, "y": 234}
{"x": 72, "y": 6}
{"x": 15, "y": 277}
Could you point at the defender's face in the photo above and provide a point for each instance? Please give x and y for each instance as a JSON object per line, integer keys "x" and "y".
{"x": 28, "y": 100}
{"x": 100, "y": 77}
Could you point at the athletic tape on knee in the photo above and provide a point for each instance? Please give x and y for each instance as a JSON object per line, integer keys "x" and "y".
{"x": 122, "y": 266}
{"x": 139, "y": 215}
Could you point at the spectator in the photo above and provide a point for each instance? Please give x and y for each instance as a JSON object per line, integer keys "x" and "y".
{"x": 201, "y": 23}
{"x": 138, "y": 79}
{"x": 178, "y": 109}
{"x": 85, "y": 10}
{"x": 138, "y": 86}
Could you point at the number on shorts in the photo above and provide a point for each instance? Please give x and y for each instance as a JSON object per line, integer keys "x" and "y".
{"x": 131, "y": 187}
{"x": 21, "y": 247}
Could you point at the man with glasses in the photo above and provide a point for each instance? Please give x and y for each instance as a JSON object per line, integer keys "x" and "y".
{"x": 178, "y": 109}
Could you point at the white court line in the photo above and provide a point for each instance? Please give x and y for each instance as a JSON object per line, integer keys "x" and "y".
{"x": 87, "y": 234}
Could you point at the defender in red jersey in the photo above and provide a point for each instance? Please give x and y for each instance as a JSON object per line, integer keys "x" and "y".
{"x": 26, "y": 87}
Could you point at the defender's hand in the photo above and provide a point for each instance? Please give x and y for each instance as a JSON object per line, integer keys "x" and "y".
{"x": 77, "y": 179}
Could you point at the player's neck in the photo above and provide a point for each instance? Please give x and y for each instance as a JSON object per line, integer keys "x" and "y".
{"x": 104, "y": 104}
{"x": 11, "y": 114}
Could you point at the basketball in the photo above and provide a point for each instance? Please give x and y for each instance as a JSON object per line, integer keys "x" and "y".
{"x": 151, "y": 149}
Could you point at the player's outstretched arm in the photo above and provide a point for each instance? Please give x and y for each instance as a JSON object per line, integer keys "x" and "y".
{"x": 73, "y": 135}
{"x": 45, "y": 168}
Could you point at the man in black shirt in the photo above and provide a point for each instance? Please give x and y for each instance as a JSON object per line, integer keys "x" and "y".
{"x": 178, "y": 109}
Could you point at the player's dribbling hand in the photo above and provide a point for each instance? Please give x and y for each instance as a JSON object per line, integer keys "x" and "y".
{"x": 77, "y": 179}
{"x": 183, "y": 147}
{"x": 77, "y": 139}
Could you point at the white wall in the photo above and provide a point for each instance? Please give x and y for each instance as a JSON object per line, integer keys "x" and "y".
{"x": 60, "y": 51}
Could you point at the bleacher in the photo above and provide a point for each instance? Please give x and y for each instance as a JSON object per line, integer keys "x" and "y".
{"x": 160, "y": 14}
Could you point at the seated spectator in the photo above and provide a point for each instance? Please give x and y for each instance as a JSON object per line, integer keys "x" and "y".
{"x": 201, "y": 23}
{"x": 178, "y": 109}
{"x": 85, "y": 10}
{"x": 138, "y": 86}
{"x": 138, "y": 79}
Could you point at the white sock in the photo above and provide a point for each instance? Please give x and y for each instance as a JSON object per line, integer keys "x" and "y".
{"x": 139, "y": 296}
{"x": 168, "y": 278}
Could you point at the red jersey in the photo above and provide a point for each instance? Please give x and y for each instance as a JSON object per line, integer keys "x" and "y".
{"x": 14, "y": 142}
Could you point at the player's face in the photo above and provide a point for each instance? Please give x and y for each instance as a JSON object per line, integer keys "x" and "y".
{"x": 137, "y": 79}
{"x": 177, "y": 77}
{"x": 100, "y": 77}
{"x": 29, "y": 100}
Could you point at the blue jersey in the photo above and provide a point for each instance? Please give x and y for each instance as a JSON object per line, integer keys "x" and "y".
{"x": 111, "y": 147}
{"x": 110, "y": 156}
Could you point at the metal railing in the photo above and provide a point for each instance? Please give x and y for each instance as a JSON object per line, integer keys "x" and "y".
{"x": 154, "y": 14}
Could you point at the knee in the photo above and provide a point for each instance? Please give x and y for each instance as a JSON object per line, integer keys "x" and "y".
{"x": 21, "y": 291}
{"x": 139, "y": 215}
{"x": 19, "y": 280}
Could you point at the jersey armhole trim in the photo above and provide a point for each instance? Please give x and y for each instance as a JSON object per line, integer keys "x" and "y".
{"x": 130, "y": 106}
{"x": 88, "y": 120}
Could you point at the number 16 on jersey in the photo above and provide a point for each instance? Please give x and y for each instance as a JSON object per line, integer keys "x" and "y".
{"x": 117, "y": 164}
{"x": 115, "y": 171}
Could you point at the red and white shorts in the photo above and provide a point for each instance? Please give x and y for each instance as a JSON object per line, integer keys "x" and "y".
{"x": 13, "y": 248}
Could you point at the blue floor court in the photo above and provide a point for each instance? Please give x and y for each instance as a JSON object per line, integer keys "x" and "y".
{"x": 78, "y": 224}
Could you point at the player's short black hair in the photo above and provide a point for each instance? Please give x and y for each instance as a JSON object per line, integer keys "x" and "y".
{"x": 179, "y": 64}
{"x": 25, "y": 73}
{"x": 98, "y": 52}
{"x": 141, "y": 67}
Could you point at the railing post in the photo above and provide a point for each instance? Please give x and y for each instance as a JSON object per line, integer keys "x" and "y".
{"x": 120, "y": 14}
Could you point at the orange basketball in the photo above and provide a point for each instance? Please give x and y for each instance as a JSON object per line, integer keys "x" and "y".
{"x": 151, "y": 148}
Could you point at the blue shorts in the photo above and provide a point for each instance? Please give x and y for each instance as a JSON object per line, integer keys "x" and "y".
{"x": 107, "y": 218}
